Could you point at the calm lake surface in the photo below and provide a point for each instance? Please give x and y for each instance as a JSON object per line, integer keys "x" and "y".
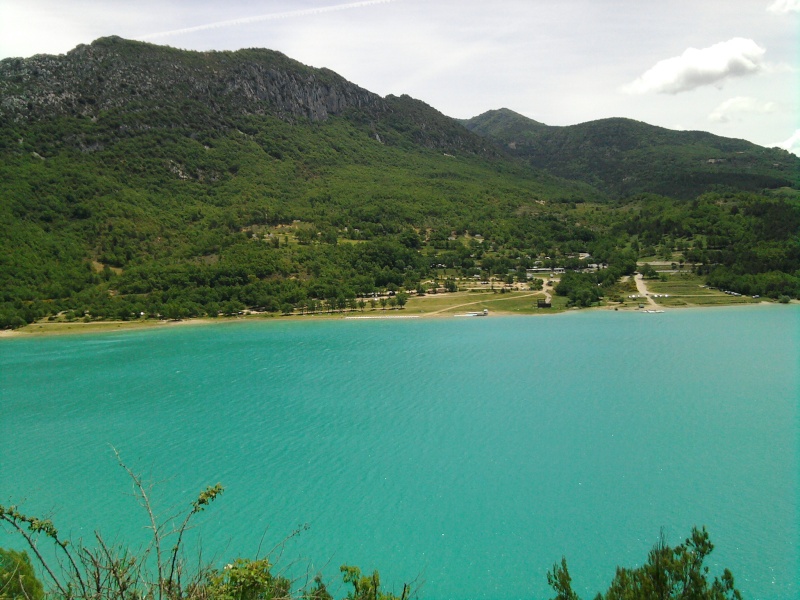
{"x": 468, "y": 454}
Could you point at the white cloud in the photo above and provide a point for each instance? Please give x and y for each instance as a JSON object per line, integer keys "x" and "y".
{"x": 792, "y": 144}
{"x": 733, "y": 108}
{"x": 695, "y": 68}
{"x": 781, "y": 7}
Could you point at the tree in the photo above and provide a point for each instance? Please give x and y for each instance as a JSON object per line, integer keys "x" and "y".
{"x": 368, "y": 587}
{"x": 231, "y": 308}
{"x": 17, "y": 579}
{"x": 581, "y": 288}
{"x": 648, "y": 271}
{"x": 561, "y": 582}
{"x": 175, "y": 311}
{"x": 246, "y": 579}
{"x": 669, "y": 574}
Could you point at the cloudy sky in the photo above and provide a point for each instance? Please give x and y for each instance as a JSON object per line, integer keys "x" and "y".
{"x": 726, "y": 66}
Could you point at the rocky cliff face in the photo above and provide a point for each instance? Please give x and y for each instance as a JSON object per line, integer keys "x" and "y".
{"x": 112, "y": 73}
{"x": 132, "y": 86}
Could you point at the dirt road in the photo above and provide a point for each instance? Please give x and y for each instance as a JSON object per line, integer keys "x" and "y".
{"x": 642, "y": 288}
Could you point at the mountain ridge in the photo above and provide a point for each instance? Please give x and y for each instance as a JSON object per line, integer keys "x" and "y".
{"x": 618, "y": 156}
{"x": 623, "y": 156}
{"x": 111, "y": 70}
{"x": 113, "y": 74}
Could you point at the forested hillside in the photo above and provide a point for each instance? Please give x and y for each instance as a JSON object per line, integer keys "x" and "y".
{"x": 138, "y": 180}
{"x": 624, "y": 157}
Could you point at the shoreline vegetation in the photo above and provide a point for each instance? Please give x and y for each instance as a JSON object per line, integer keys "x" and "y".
{"x": 681, "y": 290}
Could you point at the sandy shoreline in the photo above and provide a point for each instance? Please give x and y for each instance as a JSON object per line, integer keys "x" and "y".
{"x": 51, "y": 329}
{"x": 431, "y": 306}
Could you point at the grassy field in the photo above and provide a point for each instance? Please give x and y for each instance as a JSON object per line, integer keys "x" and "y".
{"x": 689, "y": 290}
{"x": 45, "y": 327}
{"x": 477, "y": 301}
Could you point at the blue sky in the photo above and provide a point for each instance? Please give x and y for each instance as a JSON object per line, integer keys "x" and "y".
{"x": 726, "y": 66}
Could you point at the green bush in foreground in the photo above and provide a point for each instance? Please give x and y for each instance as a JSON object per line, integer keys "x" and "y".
{"x": 159, "y": 572}
{"x": 669, "y": 573}
{"x": 17, "y": 578}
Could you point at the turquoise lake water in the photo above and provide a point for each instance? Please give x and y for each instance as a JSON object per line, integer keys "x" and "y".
{"x": 466, "y": 454}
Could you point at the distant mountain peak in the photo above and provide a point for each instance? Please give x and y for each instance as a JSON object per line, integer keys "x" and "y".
{"x": 498, "y": 120}
{"x": 507, "y": 113}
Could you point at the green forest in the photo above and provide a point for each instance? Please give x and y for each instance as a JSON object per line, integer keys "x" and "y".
{"x": 166, "y": 204}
